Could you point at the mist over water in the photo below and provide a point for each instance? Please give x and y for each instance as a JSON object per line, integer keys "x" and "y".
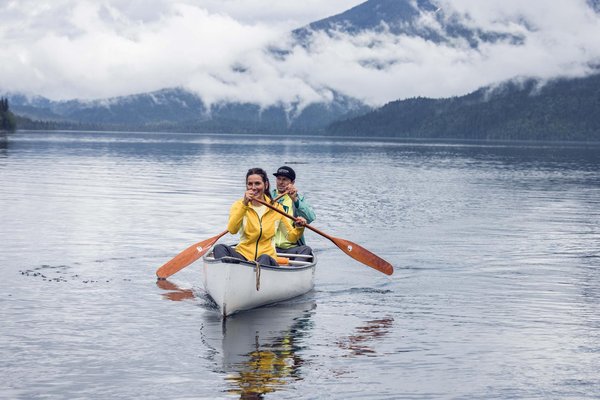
{"x": 496, "y": 292}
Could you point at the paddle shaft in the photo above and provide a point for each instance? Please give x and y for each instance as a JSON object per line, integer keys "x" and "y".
{"x": 352, "y": 249}
{"x": 278, "y": 197}
{"x": 290, "y": 216}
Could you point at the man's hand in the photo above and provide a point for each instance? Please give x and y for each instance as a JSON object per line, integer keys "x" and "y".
{"x": 292, "y": 192}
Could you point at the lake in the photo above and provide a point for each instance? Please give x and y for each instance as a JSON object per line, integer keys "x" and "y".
{"x": 495, "y": 295}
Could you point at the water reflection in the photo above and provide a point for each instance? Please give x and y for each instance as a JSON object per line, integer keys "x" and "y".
{"x": 175, "y": 292}
{"x": 3, "y": 143}
{"x": 260, "y": 348}
{"x": 266, "y": 369}
{"x": 359, "y": 343}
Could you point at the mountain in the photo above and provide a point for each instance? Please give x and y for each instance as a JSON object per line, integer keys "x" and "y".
{"x": 484, "y": 113}
{"x": 181, "y": 110}
{"x": 563, "y": 109}
{"x": 169, "y": 104}
{"x": 402, "y": 17}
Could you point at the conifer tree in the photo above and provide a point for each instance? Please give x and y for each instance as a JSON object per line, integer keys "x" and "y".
{"x": 7, "y": 119}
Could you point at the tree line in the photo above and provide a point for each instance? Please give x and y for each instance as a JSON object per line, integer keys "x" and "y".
{"x": 561, "y": 110}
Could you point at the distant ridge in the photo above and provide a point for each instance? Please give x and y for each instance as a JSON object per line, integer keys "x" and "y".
{"x": 179, "y": 110}
{"x": 562, "y": 109}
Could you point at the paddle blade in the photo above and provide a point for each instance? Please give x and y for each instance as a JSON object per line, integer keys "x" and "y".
{"x": 363, "y": 255}
{"x": 352, "y": 249}
{"x": 186, "y": 257}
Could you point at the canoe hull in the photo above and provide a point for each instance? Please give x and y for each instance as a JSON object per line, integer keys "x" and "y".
{"x": 240, "y": 286}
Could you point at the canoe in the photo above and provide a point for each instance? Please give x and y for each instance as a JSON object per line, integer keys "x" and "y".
{"x": 236, "y": 285}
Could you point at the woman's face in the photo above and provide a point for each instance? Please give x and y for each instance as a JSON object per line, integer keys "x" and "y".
{"x": 256, "y": 184}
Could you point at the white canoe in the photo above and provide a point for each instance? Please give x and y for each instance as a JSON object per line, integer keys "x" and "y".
{"x": 236, "y": 285}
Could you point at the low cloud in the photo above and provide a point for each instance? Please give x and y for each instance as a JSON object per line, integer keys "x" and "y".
{"x": 220, "y": 49}
{"x": 557, "y": 41}
{"x": 97, "y": 50}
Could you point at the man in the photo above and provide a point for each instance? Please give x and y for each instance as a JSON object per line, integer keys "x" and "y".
{"x": 293, "y": 203}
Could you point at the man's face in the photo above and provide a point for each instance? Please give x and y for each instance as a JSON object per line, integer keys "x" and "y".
{"x": 282, "y": 183}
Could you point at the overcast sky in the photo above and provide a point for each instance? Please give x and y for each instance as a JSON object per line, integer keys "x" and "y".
{"x": 91, "y": 49}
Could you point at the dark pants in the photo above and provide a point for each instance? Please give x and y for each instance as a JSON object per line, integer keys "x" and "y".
{"x": 222, "y": 250}
{"x": 296, "y": 250}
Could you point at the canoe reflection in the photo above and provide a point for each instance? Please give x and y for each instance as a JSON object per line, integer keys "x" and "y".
{"x": 259, "y": 348}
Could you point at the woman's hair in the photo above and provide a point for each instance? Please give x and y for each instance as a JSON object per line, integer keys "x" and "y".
{"x": 265, "y": 178}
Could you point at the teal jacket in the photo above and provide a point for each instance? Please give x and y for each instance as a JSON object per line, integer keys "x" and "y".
{"x": 301, "y": 208}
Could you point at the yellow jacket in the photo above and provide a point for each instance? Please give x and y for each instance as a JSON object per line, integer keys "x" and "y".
{"x": 257, "y": 235}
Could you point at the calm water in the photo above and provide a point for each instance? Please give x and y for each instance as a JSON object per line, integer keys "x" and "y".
{"x": 496, "y": 293}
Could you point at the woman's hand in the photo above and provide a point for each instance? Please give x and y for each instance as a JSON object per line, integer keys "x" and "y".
{"x": 300, "y": 221}
{"x": 248, "y": 195}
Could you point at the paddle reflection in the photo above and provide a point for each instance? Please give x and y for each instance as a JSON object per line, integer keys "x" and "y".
{"x": 175, "y": 292}
{"x": 359, "y": 343}
{"x": 260, "y": 348}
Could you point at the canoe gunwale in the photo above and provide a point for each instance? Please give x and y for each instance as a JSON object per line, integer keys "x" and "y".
{"x": 209, "y": 258}
{"x": 238, "y": 285}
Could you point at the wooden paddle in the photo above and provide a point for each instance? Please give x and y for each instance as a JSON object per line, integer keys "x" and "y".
{"x": 278, "y": 197}
{"x": 186, "y": 257}
{"x": 352, "y": 249}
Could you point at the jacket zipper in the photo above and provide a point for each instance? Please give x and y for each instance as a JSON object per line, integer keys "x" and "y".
{"x": 259, "y": 236}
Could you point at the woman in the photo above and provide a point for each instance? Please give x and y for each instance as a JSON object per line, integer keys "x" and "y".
{"x": 257, "y": 223}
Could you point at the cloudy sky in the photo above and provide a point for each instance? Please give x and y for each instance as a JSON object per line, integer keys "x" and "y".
{"x": 91, "y": 49}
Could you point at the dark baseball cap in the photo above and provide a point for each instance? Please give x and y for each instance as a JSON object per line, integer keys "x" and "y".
{"x": 287, "y": 172}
